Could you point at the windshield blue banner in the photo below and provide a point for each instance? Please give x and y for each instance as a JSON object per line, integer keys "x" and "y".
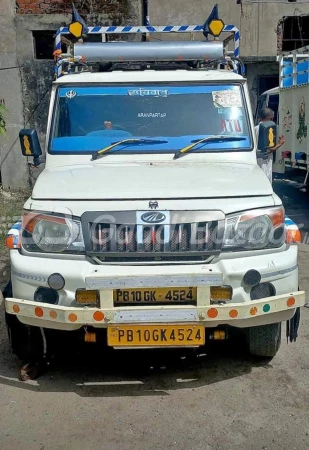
{"x": 143, "y": 91}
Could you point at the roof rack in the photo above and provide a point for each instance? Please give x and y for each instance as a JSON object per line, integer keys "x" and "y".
{"x": 79, "y": 55}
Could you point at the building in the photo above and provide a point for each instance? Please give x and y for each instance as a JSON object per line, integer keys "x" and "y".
{"x": 26, "y": 46}
{"x": 266, "y": 27}
{"x": 26, "y": 66}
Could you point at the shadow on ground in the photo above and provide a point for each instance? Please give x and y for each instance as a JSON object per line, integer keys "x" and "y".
{"x": 94, "y": 371}
{"x": 97, "y": 372}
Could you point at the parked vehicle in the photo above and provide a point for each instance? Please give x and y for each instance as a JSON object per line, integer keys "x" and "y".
{"x": 290, "y": 102}
{"x": 152, "y": 224}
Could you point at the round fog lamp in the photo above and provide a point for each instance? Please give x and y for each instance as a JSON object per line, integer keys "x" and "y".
{"x": 56, "y": 281}
{"x": 46, "y": 295}
{"x": 252, "y": 278}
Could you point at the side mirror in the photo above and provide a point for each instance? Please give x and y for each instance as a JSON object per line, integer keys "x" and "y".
{"x": 267, "y": 136}
{"x": 30, "y": 145}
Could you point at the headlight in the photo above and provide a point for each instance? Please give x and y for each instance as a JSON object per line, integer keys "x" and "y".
{"x": 51, "y": 233}
{"x": 255, "y": 230}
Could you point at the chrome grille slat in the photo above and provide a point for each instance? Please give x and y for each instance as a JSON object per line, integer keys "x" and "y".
{"x": 193, "y": 243}
{"x": 139, "y": 238}
{"x": 180, "y": 232}
{"x": 153, "y": 237}
{"x": 167, "y": 238}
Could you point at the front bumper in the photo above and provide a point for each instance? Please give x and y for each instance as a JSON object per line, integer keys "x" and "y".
{"x": 280, "y": 268}
{"x": 258, "y": 312}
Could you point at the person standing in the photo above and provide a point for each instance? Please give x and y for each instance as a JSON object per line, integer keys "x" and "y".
{"x": 267, "y": 115}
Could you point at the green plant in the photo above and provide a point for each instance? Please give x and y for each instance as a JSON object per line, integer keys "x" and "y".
{"x": 2, "y": 121}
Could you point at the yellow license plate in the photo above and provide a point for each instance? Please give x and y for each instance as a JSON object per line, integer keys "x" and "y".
{"x": 158, "y": 295}
{"x": 155, "y": 335}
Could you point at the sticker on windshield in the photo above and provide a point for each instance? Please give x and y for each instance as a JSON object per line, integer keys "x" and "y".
{"x": 151, "y": 114}
{"x": 231, "y": 126}
{"x": 233, "y": 111}
{"x": 71, "y": 94}
{"x": 226, "y": 99}
{"x": 149, "y": 92}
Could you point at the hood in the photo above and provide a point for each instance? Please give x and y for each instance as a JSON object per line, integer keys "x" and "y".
{"x": 155, "y": 181}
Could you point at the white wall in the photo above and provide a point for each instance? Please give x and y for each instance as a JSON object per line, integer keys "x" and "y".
{"x": 14, "y": 172}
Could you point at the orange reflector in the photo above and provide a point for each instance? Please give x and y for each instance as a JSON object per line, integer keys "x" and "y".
{"x": 220, "y": 293}
{"x": 253, "y": 311}
{"x": 233, "y": 313}
{"x": 87, "y": 297}
{"x": 16, "y": 309}
{"x": 9, "y": 242}
{"x": 219, "y": 335}
{"x": 57, "y": 53}
{"x": 90, "y": 337}
{"x": 53, "y": 314}
{"x": 292, "y": 236}
{"x": 291, "y": 301}
{"x": 98, "y": 316}
{"x": 212, "y": 313}
{"x": 30, "y": 219}
{"x": 38, "y": 311}
{"x": 72, "y": 317}
{"x": 277, "y": 217}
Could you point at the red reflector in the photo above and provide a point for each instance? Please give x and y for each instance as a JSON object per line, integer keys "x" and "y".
{"x": 38, "y": 311}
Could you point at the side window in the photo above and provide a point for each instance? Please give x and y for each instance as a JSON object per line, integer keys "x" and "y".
{"x": 273, "y": 103}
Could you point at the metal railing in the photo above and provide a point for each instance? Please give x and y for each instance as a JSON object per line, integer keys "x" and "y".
{"x": 70, "y": 59}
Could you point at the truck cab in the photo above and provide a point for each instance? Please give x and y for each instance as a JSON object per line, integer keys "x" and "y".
{"x": 269, "y": 99}
{"x": 152, "y": 224}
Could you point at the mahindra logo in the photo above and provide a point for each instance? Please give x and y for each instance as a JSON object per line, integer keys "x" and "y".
{"x": 153, "y": 217}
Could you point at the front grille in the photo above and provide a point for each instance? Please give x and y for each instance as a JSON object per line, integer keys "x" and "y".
{"x": 168, "y": 242}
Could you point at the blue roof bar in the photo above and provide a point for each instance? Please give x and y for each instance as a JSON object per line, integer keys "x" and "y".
{"x": 142, "y": 30}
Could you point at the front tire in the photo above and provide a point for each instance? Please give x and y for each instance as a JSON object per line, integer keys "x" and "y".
{"x": 18, "y": 336}
{"x": 265, "y": 340}
{"x": 25, "y": 341}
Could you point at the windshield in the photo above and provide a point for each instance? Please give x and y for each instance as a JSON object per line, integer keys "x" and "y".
{"x": 88, "y": 119}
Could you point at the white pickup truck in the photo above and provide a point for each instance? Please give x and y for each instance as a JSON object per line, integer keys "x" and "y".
{"x": 151, "y": 224}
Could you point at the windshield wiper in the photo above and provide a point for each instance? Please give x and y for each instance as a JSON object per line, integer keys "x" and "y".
{"x": 196, "y": 142}
{"x": 125, "y": 142}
